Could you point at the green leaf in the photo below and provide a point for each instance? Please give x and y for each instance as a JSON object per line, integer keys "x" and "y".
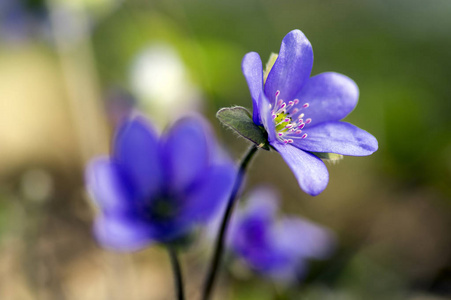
{"x": 332, "y": 157}
{"x": 239, "y": 119}
{"x": 271, "y": 61}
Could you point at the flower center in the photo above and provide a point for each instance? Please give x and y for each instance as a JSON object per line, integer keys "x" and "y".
{"x": 160, "y": 210}
{"x": 289, "y": 120}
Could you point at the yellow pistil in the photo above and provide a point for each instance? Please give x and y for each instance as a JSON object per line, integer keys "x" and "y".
{"x": 281, "y": 123}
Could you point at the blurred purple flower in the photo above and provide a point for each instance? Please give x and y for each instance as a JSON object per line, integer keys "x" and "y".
{"x": 17, "y": 20}
{"x": 156, "y": 189}
{"x": 278, "y": 249}
{"x": 22, "y": 20}
{"x": 302, "y": 114}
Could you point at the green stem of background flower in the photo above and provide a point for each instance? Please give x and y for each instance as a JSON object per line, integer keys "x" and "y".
{"x": 178, "y": 279}
{"x": 219, "y": 245}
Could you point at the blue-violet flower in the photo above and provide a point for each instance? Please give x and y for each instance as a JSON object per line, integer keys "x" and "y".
{"x": 276, "y": 248}
{"x": 156, "y": 189}
{"x": 302, "y": 114}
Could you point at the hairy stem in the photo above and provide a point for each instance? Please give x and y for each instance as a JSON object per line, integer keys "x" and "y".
{"x": 219, "y": 245}
{"x": 178, "y": 278}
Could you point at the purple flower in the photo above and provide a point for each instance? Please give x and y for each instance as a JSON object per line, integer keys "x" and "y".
{"x": 278, "y": 249}
{"x": 17, "y": 20}
{"x": 302, "y": 114}
{"x": 156, "y": 189}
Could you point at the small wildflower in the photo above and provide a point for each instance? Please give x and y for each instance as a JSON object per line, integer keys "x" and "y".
{"x": 276, "y": 248}
{"x": 302, "y": 114}
{"x": 156, "y": 189}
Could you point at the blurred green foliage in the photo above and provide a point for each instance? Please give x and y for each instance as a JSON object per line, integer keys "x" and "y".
{"x": 391, "y": 211}
{"x": 402, "y": 69}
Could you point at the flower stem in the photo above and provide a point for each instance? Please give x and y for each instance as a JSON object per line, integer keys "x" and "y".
{"x": 219, "y": 245}
{"x": 178, "y": 280}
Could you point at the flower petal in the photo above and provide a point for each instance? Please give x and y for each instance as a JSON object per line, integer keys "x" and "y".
{"x": 122, "y": 234}
{"x": 309, "y": 170}
{"x": 254, "y": 242}
{"x": 104, "y": 182}
{"x": 304, "y": 239}
{"x": 263, "y": 201}
{"x": 253, "y": 72}
{"x": 186, "y": 151}
{"x": 209, "y": 193}
{"x": 292, "y": 68}
{"x": 266, "y": 117}
{"x": 170, "y": 230}
{"x": 338, "y": 137}
{"x": 136, "y": 149}
{"x": 331, "y": 97}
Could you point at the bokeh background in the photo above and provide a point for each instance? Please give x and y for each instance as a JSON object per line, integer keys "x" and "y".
{"x": 70, "y": 70}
